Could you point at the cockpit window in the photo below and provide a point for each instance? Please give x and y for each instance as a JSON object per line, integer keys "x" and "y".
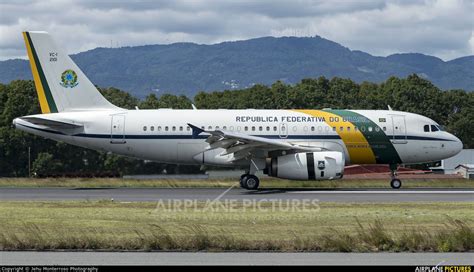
{"x": 427, "y": 128}
{"x": 434, "y": 128}
{"x": 441, "y": 128}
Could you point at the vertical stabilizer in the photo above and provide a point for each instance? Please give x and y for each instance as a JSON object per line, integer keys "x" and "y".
{"x": 60, "y": 84}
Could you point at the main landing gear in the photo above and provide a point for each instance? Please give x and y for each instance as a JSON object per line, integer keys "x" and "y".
{"x": 395, "y": 183}
{"x": 249, "y": 182}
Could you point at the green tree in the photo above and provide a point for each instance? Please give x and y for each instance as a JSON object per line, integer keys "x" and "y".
{"x": 45, "y": 164}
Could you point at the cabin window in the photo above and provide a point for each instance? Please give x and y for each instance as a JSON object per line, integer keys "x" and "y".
{"x": 253, "y": 128}
{"x": 377, "y": 129}
{"x": 426, "y": 128}
{"x": 348, "y": 128}
{"x": 152, "y": 128}
{"x": 341, "y": 128}
{"x": 362, "y": 129}
{"x": 333, "y": 128}
{"x": 370, "y": 129}
{"x": 159, "y": 128}
{"x": 209, "y": 128}
{"x": 275, "y": 128}
{"x": 174, "y": 128}
{"x": 434, "y": 128}
{"x": 180, "y": 128}
{"x": 144, "y": 128}
{"x": 312, "y": 128}
{"x": 320, "y": 128}
{"x": 188, "y": 128}
{"x": 356, "y": 128}
{"x": 384, "y": 128}
{"x": 294, "y": 128}
{"x": 217, "y": 127}
{"x": 268, "y": 128}
{"x": 260, "y": 128}
{"x": 224, "y": 128}
{"x": 246, "y": 128}
{"x": 166, "y": 128}
{"x": 231, "y": 128}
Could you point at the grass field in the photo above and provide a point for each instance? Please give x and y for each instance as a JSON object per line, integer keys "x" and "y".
{"x": 225, "y": 183}
{"x": 360, "y": 227}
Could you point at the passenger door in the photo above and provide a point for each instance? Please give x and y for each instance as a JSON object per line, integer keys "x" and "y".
{"x": 399, "y": 129}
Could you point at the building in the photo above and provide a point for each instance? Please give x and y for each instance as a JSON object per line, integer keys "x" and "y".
{"x": 465, "y": 170}
{"x": 448, "y": 166}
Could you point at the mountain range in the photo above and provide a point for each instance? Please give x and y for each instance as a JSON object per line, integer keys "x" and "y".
{"x": 186, "y": 68}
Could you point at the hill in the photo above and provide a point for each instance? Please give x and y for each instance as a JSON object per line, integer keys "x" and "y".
{"x": 185, "y": 68}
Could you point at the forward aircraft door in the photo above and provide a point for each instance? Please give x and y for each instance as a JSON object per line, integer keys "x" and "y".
{"x": 399, "y": 129}
{"x": 117, "y": 134}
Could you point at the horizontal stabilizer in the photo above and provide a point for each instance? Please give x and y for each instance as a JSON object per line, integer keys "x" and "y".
{"x": 55, "y": 124}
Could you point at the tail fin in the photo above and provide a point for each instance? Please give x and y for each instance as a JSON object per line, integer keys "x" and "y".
{"x": 60, "y": 84}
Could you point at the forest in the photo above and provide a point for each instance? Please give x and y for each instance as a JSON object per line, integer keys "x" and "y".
{"x": 23, "y": 154}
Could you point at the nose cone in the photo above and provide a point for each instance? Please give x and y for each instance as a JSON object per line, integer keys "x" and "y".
{"x": 14, "y": 122}
{"x": 457, "y": 145}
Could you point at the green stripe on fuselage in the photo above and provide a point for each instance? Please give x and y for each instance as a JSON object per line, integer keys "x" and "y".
{"x": 385, "y": 152}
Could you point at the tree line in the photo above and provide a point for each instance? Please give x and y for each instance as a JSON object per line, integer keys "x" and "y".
{"x": 22, "y": 153}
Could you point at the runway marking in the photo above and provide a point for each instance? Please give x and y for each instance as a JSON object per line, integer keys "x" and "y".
{"x": 382, "y": 192}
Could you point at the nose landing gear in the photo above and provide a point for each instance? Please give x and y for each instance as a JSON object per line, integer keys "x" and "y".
{"x": 395, "y": 183}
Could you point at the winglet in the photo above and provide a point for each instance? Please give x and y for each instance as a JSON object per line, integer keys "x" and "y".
{"x": 196, "y": 130}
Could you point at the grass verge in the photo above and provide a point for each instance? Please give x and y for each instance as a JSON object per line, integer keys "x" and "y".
{"x": 225, "y": 183}
{"x": 267, "y": 226}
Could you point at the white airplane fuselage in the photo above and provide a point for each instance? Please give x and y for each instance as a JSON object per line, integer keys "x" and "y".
{"x": 164, "y": 135}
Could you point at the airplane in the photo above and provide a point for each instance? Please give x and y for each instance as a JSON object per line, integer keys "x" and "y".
{"x": 293, "y": 144}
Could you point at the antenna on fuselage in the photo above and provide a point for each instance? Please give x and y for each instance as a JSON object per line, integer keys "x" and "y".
{"x": 389, "y": 108}
{"x": 194, "y": 107}
{"x": 136, "y": 107}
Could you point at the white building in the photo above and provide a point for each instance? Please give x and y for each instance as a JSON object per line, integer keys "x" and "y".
{"x": 448, "y": 166}
{"x": 466, "y": 171}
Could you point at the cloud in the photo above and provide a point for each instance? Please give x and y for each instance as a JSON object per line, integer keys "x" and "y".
{"x": 443, "y": 28}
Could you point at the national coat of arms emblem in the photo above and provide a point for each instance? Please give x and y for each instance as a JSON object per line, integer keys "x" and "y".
{"x": 69, "y": 79}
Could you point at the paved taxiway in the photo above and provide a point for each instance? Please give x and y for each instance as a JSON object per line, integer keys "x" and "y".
{"x": 237, "y": 258}
{"x": 154, "y": 194}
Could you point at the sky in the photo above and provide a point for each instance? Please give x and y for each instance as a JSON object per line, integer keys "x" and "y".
{"x": 442, "y": 28}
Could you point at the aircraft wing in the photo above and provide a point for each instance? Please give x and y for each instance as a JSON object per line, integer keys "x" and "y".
{"x": 234, "y": 142}
{"x": 54, "y": 124}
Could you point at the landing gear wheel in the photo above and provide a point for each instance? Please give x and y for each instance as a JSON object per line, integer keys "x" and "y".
{"x": 251, "y": 182}
{"x": 396, "y": 183}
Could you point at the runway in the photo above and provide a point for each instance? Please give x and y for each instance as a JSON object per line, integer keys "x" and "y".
{"x": 231, "y": 258}
{"x": 155, "y": 194}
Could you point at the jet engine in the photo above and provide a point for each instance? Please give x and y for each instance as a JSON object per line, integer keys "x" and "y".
{"x": 307, "y": 166}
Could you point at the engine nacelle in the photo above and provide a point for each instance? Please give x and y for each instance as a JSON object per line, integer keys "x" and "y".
{"x": 307, "y": 166}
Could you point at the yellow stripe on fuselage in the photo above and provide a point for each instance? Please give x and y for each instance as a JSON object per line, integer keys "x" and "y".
{"x": 39, "y": 87}
{"x": 357, "y": 146}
